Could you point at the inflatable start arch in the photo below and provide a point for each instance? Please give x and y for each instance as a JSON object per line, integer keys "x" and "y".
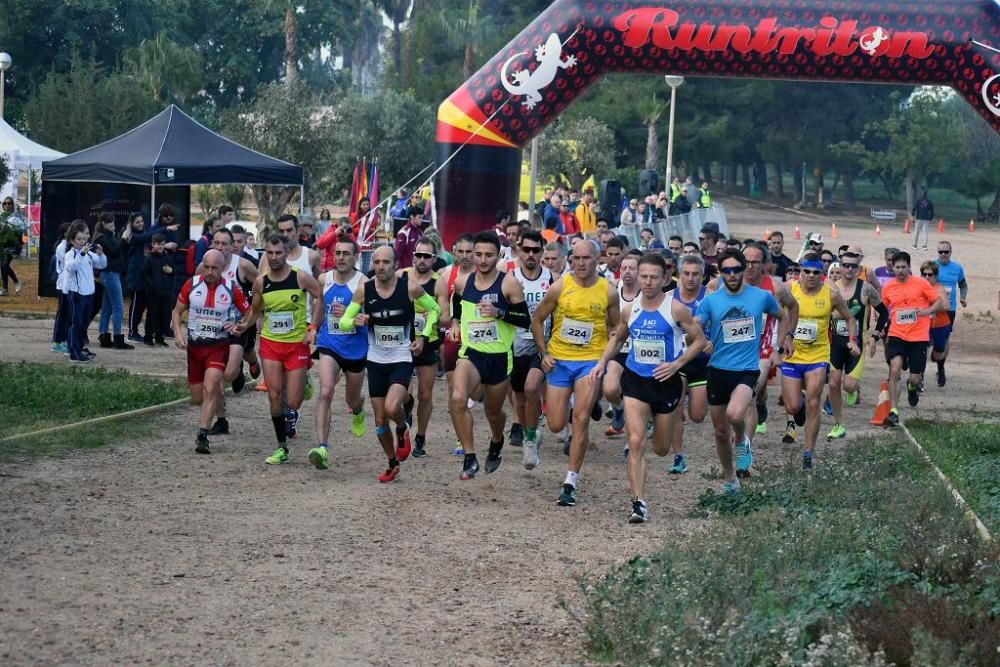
{"x": 551, "y": 62}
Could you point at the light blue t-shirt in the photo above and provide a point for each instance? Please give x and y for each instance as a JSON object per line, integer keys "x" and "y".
{"x": 735, "y": 323}
{"x": 950, "y": 275}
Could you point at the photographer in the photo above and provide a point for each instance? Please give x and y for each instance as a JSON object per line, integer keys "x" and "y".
{"x": 12, "y": 227}
{"x": 79, "y": 264}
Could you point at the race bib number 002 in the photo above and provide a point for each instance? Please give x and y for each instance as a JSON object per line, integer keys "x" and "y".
{"x": 483, "y": 331}
{"x": 280, "y": 322}
{"x": 576, "y": 332}
{"x": 648, "y": 351}
{"x": 906, "y": 316}
{"x": 739, "y": 330}
{"x": 806, "y": 330}
{"x": 390, "y": 337}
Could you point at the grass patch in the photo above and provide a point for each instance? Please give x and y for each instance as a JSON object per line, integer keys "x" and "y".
{"x": 865, "y": 561}
{"x": 969, "y": 454}
{"x": 42, "y": 395}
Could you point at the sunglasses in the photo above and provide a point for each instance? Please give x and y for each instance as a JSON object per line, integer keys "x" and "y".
{"x": 944, "y": 252}
{"x": 812, "y": 272}
{"x": 928, "y": 274}
{"x": 422, "y": 255}
{"x": 731, "y": 270}
{"x": 8, "y": 203}
{"x": 531, "y": 249}
{"x": 754, "y": 262}
{"x": 826, "y": 261}
{"x": 848, "y": 266}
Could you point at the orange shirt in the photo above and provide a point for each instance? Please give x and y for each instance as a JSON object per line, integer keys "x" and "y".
{"x": 903, "y": 299}
{"x": 941, "y": 318}
{"x": 550, "y": 235}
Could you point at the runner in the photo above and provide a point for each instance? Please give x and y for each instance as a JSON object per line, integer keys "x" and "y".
{"x": 211, "y": 299}
{"x": 884, "y": 274}
{"x": 734, "y": 317}
{"x": 491, "y": 304}
{"x": 527, "y": 378}
{"x": 386, "y": 306}
{"x": 652, "y": 388}
{"x": 911, "y": 302}
{"x": 807, "y": 366}
{"x": 941, "y": 326}
{"x": 339, "y": 350}
{"x": 584, "y": 307}
{"x": 952, "y": 276}
{"x": 443, "y": 292}
{"x": 628, "y": 291}
{"x": 554, "y": 259}
{"x": 280, "y": 296}
{"x": 859, "y": 296}
{"x": 690, "y": 292}
{"x": 426, "y": 363}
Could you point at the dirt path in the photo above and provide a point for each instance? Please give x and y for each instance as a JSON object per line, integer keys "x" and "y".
{"x": 147, "y": 553}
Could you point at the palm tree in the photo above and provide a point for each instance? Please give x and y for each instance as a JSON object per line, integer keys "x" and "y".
{"x": 651, "y": 111}
{"x": 165, "y": 69}
{"x": 398, "y": 11}
{"x": 471, "y": 32}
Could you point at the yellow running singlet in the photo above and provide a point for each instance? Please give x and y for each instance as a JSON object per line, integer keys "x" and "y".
{"x": 579, "y": 323}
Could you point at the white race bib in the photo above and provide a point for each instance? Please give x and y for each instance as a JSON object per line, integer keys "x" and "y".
{"x": 333, "y": 325}
{"x": 627, "y": 345}
{"x": 806, "y": 330}
{"x": 648, "y": 351}
{"x": 390, "y": 338}
{"x": 840, "y": 327}
{"x": 740, "y": 330}
{"x": 280, "y": 322}
{"x": 906, "y": 316}
{"x": 483, "y": 331}
{"x": 576, "y": 332}
{"x": 419, "y": 322}
{"x": 204, "y": 327}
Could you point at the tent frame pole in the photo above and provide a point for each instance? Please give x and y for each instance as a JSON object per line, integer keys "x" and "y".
{"x": 152, "y": 202}
{"x": 302, "y": 199}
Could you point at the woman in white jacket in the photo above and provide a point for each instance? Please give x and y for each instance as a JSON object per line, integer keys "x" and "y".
{"x": 79, "y": 263}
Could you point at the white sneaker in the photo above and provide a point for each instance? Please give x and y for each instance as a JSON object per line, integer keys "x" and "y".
{"x": 529, "y": 454}
{"x": 17, "y": 288}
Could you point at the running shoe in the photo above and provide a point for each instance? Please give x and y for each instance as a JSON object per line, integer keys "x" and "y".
{"x": 827, "y": 408}
{"x": 730, "y": 487}
{"x": 892, "y": 419}
{"x": 291, "y": 420}
{"x": 790, "y": 433}
{"x": 761, "y": 429}
{"x": 609, "y": 412}
{"x": 319, "y": 457}
{"x": 358, "y": 424}
{"x": 419, "y": 446}
{"x": 941, "y": 379}
{"x": 470, "y": 467}
{"x": 744, "y": 458}
{"x": 390, "y": 474}
{"x": 494, "y": 458}
{"x": 568, "y": 496}
{"x": 800, "y": 415}
{"x": 920, "y": 385}
{"x": 59, "y": 348}
{"x": 408, "y": 411}
{"x": 516, "y": 435}
{"x": 17, "y": 288}
{"x": 680, "y": 465}
{"x": 220, "y": 427}
{"x": 618, "y": 419}
{"x": 761, "y": 412}
{"x": 255, "y": 369}
{"x": 201, "y": 444}
{"x": 403, "y": 447}
{"x": 459, "y": 450}
{"x": 4, "y": 292}
{"x": 163, "y": 343}
{"x": 136, "y": 338}
{"x": 239, "y": 381}
{"x": 625, "y": 451}
{"x": 280, "y": 455}
{"x": 597, "y": 411}
{"x": 81, "y": 360}
{"x": 838, "y": 431}
{"x": 640, "y": 513}
{"x": 612, "y": 432}
{"x": 807, "y": 460}
{"x": 853, "y": 397}
{"x": 529, "y": 455}
{"x": 912, "y": 395}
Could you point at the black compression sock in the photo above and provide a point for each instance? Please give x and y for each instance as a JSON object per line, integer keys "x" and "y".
{"x": 278, "y": 421}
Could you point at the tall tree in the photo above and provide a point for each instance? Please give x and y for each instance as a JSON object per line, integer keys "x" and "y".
{"x": 571, "y": 152}
{"x": 651, "y": 111}
{"x": 166, "y": 70}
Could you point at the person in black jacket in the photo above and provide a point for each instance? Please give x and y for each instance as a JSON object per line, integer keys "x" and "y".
{"x": 112, "y": 303}
{"x": 136, "y": 237}
{"x": 158, "y": 278}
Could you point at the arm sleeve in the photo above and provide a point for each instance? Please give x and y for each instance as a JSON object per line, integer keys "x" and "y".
{"x": 456, "y": 305}
{"x": 518, "y": 315}
{"x": 882, "y": 324}
{"x": 963, "y": 287}
{"x": 433, "y": 311}
{"x": 347, "y": 320}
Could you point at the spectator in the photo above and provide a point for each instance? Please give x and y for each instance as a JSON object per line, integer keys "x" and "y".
{"x": 136, "y": 237}
{"x": 364, "y": 206}
{"x": 157, "y": 273}
{"x": 923, "y": 213}
{"x": 570, "y": 225}
{"x": 542, "y": 205}
{"x": 707, "y": 239}
{"x": 115, "y": 250}
{"x": 552, "y": 211}
{"x": 585, "y": 216}
{"x": 523, "y": 214}
{"x": 204, "y": 244}
{"x": 307, "y": 236}
{"x": 79, "y": 264}
{"x": 240, "y": 245}
{"x": 646, "y": 237}
{"x": 328, "y": 241}
{"x": 704, "y": 196}
{"x": 549, "y": 233}
{"x": 631, "y": 216}
{"x": 60, "y": 328}
{"x": 776, "y": 244}
{"x": 12, "y": 228}
{"x": 602, "y": 226}
{"x": 406, "y": 239}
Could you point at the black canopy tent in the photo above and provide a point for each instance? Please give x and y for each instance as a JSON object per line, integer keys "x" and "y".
{"x": 152, "y": 164}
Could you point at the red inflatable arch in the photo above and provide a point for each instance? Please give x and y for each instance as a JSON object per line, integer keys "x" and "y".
{"x": 552, "y": 61}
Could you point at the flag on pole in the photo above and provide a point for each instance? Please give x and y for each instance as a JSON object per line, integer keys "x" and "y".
{"x": 352, "y": 204}
{"x": 373, "y": 197}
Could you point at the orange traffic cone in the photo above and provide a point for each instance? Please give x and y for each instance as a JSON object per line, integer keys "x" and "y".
{"x": 833, "y": 230}
{"x": 940, "y": 225}
{"x": 261, "y": 386}
{"x": 882, "y": 406}
{"x": 798, "y": 234}
{"x": 906, "y": 225}
{"x": 878, "y": 230}
{"x": 972, "y": 225}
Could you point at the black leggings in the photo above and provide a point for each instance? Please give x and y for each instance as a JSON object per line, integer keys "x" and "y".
{"x": 136, "y": 310}
{"x": 6, "y": 269}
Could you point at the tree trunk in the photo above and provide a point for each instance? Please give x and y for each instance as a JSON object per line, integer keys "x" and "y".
{"x": 779, "y": 184}
{"x": 797, "y": 179}
{"x": 652, "y": 146}
{"x": 706, "y": 174}
{"x": 910, "y": 188}
{"x": 731, "y": 172}
{"x": 993, "y": 212}
{"x": 849, "y": 199}
{"x": 291, "y": 46}
{"x": 762, "y": 178}
{"x": 745, "y": 172}
{"x": 272, "y": 201}
{"x": 469, "y": 62}
{"x": 818, "y": 181}
{"x": 397, "y": 55}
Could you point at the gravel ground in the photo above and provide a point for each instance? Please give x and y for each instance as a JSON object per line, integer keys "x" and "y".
{"x": 146, "y": 553}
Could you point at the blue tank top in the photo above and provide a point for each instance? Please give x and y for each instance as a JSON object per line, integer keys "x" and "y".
{"x": 655, "y": 337}
{"x": 349, "y": 345}
{"x": 693, "y": 307}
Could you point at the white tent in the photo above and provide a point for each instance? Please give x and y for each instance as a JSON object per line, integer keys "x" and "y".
{"x": 21, "y": 153}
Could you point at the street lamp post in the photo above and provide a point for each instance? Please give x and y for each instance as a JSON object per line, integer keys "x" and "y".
{"x": 5, "y": 62}
{"x": 674, "y": 82}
